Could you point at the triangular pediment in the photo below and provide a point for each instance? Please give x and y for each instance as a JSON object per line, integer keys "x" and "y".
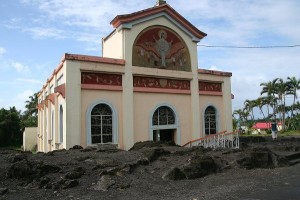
{"x": 165, "y": 10}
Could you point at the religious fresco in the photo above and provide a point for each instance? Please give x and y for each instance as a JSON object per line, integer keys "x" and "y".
{"x": 160, "y": 47}
{"x": 101, "y": 79}
{"x": 151, "y": 82}
{"x": 210, "y": 86}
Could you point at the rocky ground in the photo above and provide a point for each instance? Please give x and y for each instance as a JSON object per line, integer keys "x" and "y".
{"x": 260, "y": 169}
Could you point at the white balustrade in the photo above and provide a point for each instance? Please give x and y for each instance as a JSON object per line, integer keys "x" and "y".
{"x": 219, "y": 140}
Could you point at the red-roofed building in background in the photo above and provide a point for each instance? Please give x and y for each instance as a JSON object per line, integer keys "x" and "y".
{"x": 262, "y": 127}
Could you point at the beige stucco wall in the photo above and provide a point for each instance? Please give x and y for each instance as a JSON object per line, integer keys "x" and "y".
{"x": 112, "y": 47}
{"x": 29, "y": 138}
{"x": 227, "y": 102}
{"x": 88, "y": 97}
{"x": 73, "y": 102}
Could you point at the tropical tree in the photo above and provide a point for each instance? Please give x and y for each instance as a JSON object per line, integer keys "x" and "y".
{"x": 260, "y": 102}
{"x": 281, "y": 89}
{"x": 294, "y": 85}
{"x": 249, "y": 106}
{"x": 242, "y": 115}
{"x": 269, "y": 88}
{"x": 29, "y": 117}
{"x": 10, "y": 131}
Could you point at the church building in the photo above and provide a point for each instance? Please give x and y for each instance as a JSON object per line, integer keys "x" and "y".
{"x": 145, "y": 86}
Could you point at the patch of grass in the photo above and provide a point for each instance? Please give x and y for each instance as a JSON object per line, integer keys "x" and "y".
{"x": 290, "y": 133}
{"x": 255, "y": 135}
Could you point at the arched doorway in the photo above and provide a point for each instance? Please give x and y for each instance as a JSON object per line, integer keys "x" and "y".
{"x": 164, "y": 125}
{"x": 210, "y": 120}
{"x": 101, "y": 123}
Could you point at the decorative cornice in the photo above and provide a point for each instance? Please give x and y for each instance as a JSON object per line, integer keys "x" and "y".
{"x": 213, "y": 72}
{"x": 101, "y": 78}
{"x": 96, "y": 59}
{"x": 160, "y": 83}
{"x": 51, "y": 98}
{"x": 61, "y": 89}
{"x": 41, "y": 105}
{"x": 210, "y": 86}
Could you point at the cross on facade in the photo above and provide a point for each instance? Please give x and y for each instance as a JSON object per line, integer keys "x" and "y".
{"x": 160, "y": 2}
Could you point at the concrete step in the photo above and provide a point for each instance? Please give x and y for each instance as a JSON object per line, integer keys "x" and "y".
{"x": 293, "y": 156}
{"x": 295, "y": 161}
{"x": 107, "y": 147}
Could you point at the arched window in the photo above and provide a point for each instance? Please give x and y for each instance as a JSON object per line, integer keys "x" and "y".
{"x": 61, "y": 124}
{"x": 101, "y": 124}
{"x": 210, "y": 120}
{"x": 163, "y": 116}
{"x": 164, "y": 125}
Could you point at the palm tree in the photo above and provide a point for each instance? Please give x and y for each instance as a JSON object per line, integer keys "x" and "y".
{"x": 242, "y": 115}
{"x": 294, "y": 85}
{"x": 29, "y": 117}
{"x": 269, "y": 89}
{"x": 260, "y": 102}
{"x": 31, "y": 105}
{"x": 281, "y": 90}
{"x": 249, "y": 106}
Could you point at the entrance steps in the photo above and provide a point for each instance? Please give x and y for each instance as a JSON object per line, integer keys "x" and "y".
{"x": 219, "y": 140}
{"x": 107, "y": 147}
{"x": 294, "y": 158}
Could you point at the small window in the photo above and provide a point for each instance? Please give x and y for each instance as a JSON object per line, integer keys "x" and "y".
{"x": 210, "y": 121}
{"x": 51, "y": 89}
{"x": 60, "y": 80}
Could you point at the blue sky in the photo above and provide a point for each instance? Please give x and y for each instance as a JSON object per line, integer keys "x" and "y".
{"x": 36, "y": 33}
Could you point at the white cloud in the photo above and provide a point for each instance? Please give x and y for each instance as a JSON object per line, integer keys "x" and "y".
{"x": 251, "y": 67}
{"x": 86, "y": 14}
{"x": 214, "y": 68}
{"x": 29, "y": 81}
{"x": 40, "y": 32}
{"x": 19, "y": 100}
{"x": 2, "y": 51}
{"x": 19, "y": 67}
{"x": 228, "y": 22}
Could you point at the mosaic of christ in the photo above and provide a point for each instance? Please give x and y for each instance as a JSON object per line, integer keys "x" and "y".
{"x": 159, "y": 47}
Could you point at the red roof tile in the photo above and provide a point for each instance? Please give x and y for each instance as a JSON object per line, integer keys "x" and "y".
{"x": 263, "y": 125}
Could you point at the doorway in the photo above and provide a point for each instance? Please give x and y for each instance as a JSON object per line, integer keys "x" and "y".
{"x": 164, "y": 135}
